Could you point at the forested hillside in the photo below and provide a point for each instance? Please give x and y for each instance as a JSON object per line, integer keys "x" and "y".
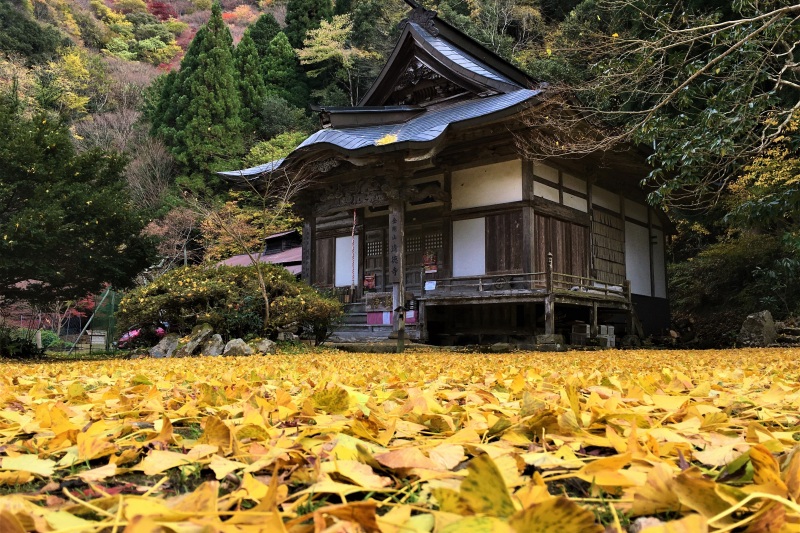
{"x": 184, "y": 88}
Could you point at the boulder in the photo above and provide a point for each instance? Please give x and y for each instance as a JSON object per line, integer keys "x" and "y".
{"x": 199, "y": 334}
{"x": 758, "y": 329}
{"x": 237, "y": 347}
{"x": 213, "y": 346}
{"x": 265, "y": 346}
{"x": 165, "y": 346}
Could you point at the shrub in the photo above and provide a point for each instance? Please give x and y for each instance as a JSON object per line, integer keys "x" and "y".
{"x": 730, "y": 279}
{"x": 18, "y": 343}
{"x": 229, "y": 299}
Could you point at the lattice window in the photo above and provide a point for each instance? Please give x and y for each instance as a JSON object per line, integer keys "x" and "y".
{"x": 433, "y": 241}
{"x": 374, "y": 248}
{"x": 414, "y": 244}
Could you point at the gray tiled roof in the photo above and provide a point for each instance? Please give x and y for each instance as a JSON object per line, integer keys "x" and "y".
{"x": 425, "y": 128}
{"x": 460, "y": 57}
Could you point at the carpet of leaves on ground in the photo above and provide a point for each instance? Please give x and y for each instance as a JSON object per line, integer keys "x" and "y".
{"x": 425, "y": 441}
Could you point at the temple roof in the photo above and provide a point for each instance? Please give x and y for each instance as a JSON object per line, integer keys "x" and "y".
{"x": 419, "y": 132}
{"x": 436, "y": 79}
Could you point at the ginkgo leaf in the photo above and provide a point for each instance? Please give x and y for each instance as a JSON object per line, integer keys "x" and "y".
{"x": 478, "y": 524}
{"x": 606, "y": 471}
{"x": 765, "y": 468}
{"x": 29, "y": 463}
{"x": 9, "y": 523}
{"x": 696, "y": 492}
{"x": 657, "y": 495}
{"x": 357, "y": 473}
{"x": 484, "y": 489}
{"x": 222, "y": 467}
{"x": 555, "y": 515}
{"x": 158, "y": 461}
{"x": 694, "y": 523}
{"x": 406, "y": 458}
{"x": 98, "y": 474}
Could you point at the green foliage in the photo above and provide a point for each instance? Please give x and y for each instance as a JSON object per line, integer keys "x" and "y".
{"x": 278, "y": 116}
{"x": 16, "y": 343}
{"x": 282, "y": 72}
{"x": 730, "y": 279}
{"x": 304, "y": 15}
{"x": 199, "y": 111}
{"x": 262, "y": 31}
{"x": 251, "y": 83}
{"x": 227, "y": 298}
{"x": 277, "y": 147}
{"x": 20, "y": 34}
{"x": 66, "y": 227}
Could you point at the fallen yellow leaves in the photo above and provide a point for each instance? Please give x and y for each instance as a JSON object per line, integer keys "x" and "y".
{"x": 423, "y": 442}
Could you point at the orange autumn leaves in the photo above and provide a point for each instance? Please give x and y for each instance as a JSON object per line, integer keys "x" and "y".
{"x": 424, "y": 442}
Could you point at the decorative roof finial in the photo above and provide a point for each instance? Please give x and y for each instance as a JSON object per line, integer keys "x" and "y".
{"x": 422, "y": 17}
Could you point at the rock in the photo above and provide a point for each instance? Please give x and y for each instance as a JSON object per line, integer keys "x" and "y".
{"x": 758, "y": 329}
{"x": 165, "y": 346}
{"x": 213, "y": 346}
{"x": 265, "y": 346}
{"x": 237, "y": 347}
{"x": 500, "y": 347}
{"x": 199, "y": 333}
{"x": 644, "y": 522}
{"x": 550, "y": 339}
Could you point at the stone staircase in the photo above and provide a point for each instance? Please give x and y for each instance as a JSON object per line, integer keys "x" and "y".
{"x": 354, "y": 327}
{"x": 788, "y": 335}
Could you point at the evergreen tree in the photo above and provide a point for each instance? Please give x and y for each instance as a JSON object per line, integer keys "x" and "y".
{"x": 304, "y": 15}
{"x": 212, "y": 125}
{"x": 174, "y": 95}
{"x": 65, "y": 218}
{"x": 251, "y": 83}
{"x": 284, "y": 76}
{"x": 199, "y": 112}
{"x": 263, "y": 31}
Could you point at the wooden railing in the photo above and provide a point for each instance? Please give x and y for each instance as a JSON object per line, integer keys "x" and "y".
{"x": 504, "y": 282}
{"x": 547, "y": 282}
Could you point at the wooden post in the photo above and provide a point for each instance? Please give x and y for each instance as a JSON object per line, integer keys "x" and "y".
{"x": 422, "y": 327}
{"x": 626, "y": 287}
{"x": 396, "y": 264}
{"x": 593, "y": 327}
{"x": 549, "y": 302}
{"x": 309, "y": 240}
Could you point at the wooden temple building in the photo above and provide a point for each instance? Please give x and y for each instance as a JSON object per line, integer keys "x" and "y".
{"x": 420, "y": 206}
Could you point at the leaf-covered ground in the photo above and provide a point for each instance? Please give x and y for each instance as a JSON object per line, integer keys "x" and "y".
{"x": 444, "y": 442}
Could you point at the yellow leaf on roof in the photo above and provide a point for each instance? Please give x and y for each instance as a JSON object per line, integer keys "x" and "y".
{"x": 389, "y": 138}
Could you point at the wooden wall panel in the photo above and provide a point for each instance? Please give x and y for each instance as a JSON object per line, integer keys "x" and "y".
{"x": 504, "y": 243}
{"x": 324, "y": 262}
{"x": 568, "y": 242}
{"x": 608, "y": 247}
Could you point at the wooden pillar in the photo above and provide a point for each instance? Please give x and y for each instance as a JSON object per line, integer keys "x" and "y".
{"x": 593, "y": 327}
{"x": 422, "y": 319}
{"x": 309, "y": 238}
{"x": 549, "y": 302}
{"x": 397, "y": 262}
{"x": 528, "y": 230}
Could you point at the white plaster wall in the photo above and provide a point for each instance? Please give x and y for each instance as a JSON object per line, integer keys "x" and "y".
{"x": 637, "y": 258}
{"x": 605, "y": 198}
{"x": 343, "y": 271}
{"x": 635, "y": 211}
{"x": 487, "y": 185}
{"x": 469, "y": 247}
{"x": 659, "y": 268}
{"x": 576, "y": 184}
{"x": 575, "y": 202}
{"x": 546, "y": 172}
{"x": 546, "y": 192}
